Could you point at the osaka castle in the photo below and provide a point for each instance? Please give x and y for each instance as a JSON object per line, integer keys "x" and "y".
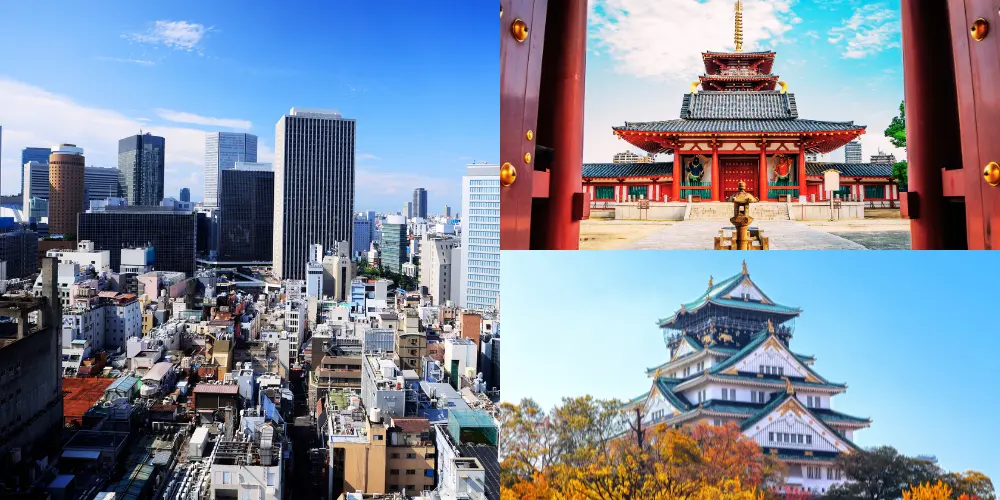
{"x": 741, "y": 125}
{"x": 731, "y": 361}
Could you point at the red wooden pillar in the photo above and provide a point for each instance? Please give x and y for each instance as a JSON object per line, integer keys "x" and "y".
{"x": 569, "y": 19}
{"x": 675, "y": 186}
{"x": 763, "y": 172}
{"x": 931, "y": 128}
{"x": 802, "y": 171}
{"x": 716, "y": 174}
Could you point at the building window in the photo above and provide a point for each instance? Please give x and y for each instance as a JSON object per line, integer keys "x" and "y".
{"x": 393, "y": 472}
{"x": 395, "y": 455}
{"x": 411, "y": 472}
{"x": 874, "y": 191}
{"x": 770, "y": 436}
{"x": 809, "y": 440}
{"x": 604, "y": 193}
{"x": 813, "y": 472}
{"x": 411, "y": 455}
{"x": 717, "y": 422}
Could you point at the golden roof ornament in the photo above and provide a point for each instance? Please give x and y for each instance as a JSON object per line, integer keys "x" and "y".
{"x": 788, "y": 387}
{"x": 745, "y": 272}
{"x": 710, "y": 281}
{"x": 770, "y": 326}
{"x": 738, "y": 36}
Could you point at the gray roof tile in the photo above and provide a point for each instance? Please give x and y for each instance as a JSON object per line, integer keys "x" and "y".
{"x": 618, "y": 170}
{"x": 740, "y": 126}
{"x": 762, "y": 105}
{"x": 851, "y": 169}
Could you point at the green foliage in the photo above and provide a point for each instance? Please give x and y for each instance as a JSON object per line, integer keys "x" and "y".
{"x": 899, "y": 173}
{"x": 402, "y": 281}
{"x": 883, "y": 474}
{"x": 896, "y": 131}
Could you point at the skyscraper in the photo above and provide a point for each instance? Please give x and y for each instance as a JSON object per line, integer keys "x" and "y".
{"x": 171, "y": 233}
{"x": 66, "y": 188}
{"x": 852, "y": 152}
{"x": 185, "y": 194}
{"x": 364, "y": 231}
{"x": 447, "y": 212}
{"x": 140, "y": 169}
{"x": 408, "y": 210}
{"x": 480, "y": 276}
{"x": 420, "y": 203}
{"x": 246, "y": 213}
{"x": 41, "y": 155}
{"x": 99, "y": 183}
{"x": 394, "y": 243}
{"x": 222, "y": 151}
{"x": 313, "y": 186}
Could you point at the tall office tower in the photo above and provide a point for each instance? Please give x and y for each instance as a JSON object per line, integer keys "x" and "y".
{"x": 408, "y": 210}
{"x": 394, "y": 242}
{"x": 185, "y": 194}
{"x": 41, "y": 155}
{"x": 338, "y": 271}
{"x": 437, "y": 269}
{"x": 852, "y": 152}
{"x": 19, "y": 249}
{"x": 447, "y": 212}
{"x": 364, "y": 232}
{"x": 420, "y": 203}
{"x": 313, "y": 186}
{"x": 222, "y": 151}
{"x": 246, "y": 213}
{"x": 140, "y": 169}
{"x": 480, "y": 276}
{"x": 100, "y": 183}
{"x": 35, "y": 188}
{"x": 66, "y": 189}
{"x": 314, "y": 272}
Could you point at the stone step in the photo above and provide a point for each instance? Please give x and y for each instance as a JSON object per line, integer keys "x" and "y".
{"x": 716, "y": 211}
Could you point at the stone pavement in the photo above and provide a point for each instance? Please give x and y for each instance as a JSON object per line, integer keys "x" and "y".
{"x": 784, "y": 235}
{"x": 878, "y": 240}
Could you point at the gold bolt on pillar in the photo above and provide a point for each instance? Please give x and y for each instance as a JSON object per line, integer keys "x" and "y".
{"x": 508, "y": 174}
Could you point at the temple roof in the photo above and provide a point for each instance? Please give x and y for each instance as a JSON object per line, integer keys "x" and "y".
{"x": 850, "y": 169}
{"x": 621, "y": 170}
{"x": 736, "y": 126}
{"x": 717, "y": 295}
{"x": 764, "y": 105}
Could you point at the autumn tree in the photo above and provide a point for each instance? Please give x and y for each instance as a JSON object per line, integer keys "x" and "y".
{"x": 881, "y": 473}
{"x": 727, "y": 453}
{"x": 927, "y": 491}
{"x": 971, "y": 484}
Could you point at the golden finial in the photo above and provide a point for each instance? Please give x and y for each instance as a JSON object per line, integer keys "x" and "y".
{"x": 739, "y": 26}
{"x": 710, "y": 281}
{"x": 770, "y": 327}
{"x": 694, "y": 87}
{"x": 745, "y": 272}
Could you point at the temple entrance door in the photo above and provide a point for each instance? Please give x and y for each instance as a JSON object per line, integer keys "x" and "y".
{"x": 736, "y": 170}
{"x": 979, "y": 110}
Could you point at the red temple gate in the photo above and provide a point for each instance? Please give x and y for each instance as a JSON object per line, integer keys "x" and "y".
{"x": 734, "y": 171}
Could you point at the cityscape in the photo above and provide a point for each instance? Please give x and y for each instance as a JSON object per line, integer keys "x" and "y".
{"x": 269, "y": 317}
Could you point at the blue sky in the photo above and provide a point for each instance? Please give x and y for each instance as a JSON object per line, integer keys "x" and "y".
{"x": 913, "y": 334}
{"x": 841, "y": 59}
{"x": 422, "y": 90}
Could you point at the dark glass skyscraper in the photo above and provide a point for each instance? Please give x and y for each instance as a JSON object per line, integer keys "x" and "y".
{"x": 185, "y": 194}
{"x": 246, "y": 214}
{"x": 172, "y": 234}
{"x": 140, "y": 169}
{"x": 420, "y": 203}
{"x": 222, "y": 151}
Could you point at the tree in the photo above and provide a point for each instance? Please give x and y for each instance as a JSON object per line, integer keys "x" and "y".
{"x": 926, "y": 491}
{"x": 881, "y": 474}
{"x": 896, "y": 132}
{"x": 727, "y": 453}
{"x": 971, "y": 484}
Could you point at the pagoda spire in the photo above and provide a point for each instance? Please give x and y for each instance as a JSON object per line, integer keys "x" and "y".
{"x": 738, "y": 35}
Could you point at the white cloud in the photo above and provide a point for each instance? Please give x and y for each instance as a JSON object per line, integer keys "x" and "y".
{"x": 32, "y": 116}
{"x": 663, "y": 39}
{"x": 184, "y": 117}
{"x": 372, "y": 188}
{"x": 178, "y": 35}
{"x": 141, "y": 62}
{"x": 367, "y": 156}
{"x": 872, "y": 29}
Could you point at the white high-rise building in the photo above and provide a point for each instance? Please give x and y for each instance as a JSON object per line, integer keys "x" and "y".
{"x": 222, "y": 151}
{"x": 313, "y": 186}
{"x": 480, "y": 278}
{"x": 338, "y": 271}
{"x": 437, "y": 267}
{"x": 314, "y": 272}
{"x": 852, "y": 152}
